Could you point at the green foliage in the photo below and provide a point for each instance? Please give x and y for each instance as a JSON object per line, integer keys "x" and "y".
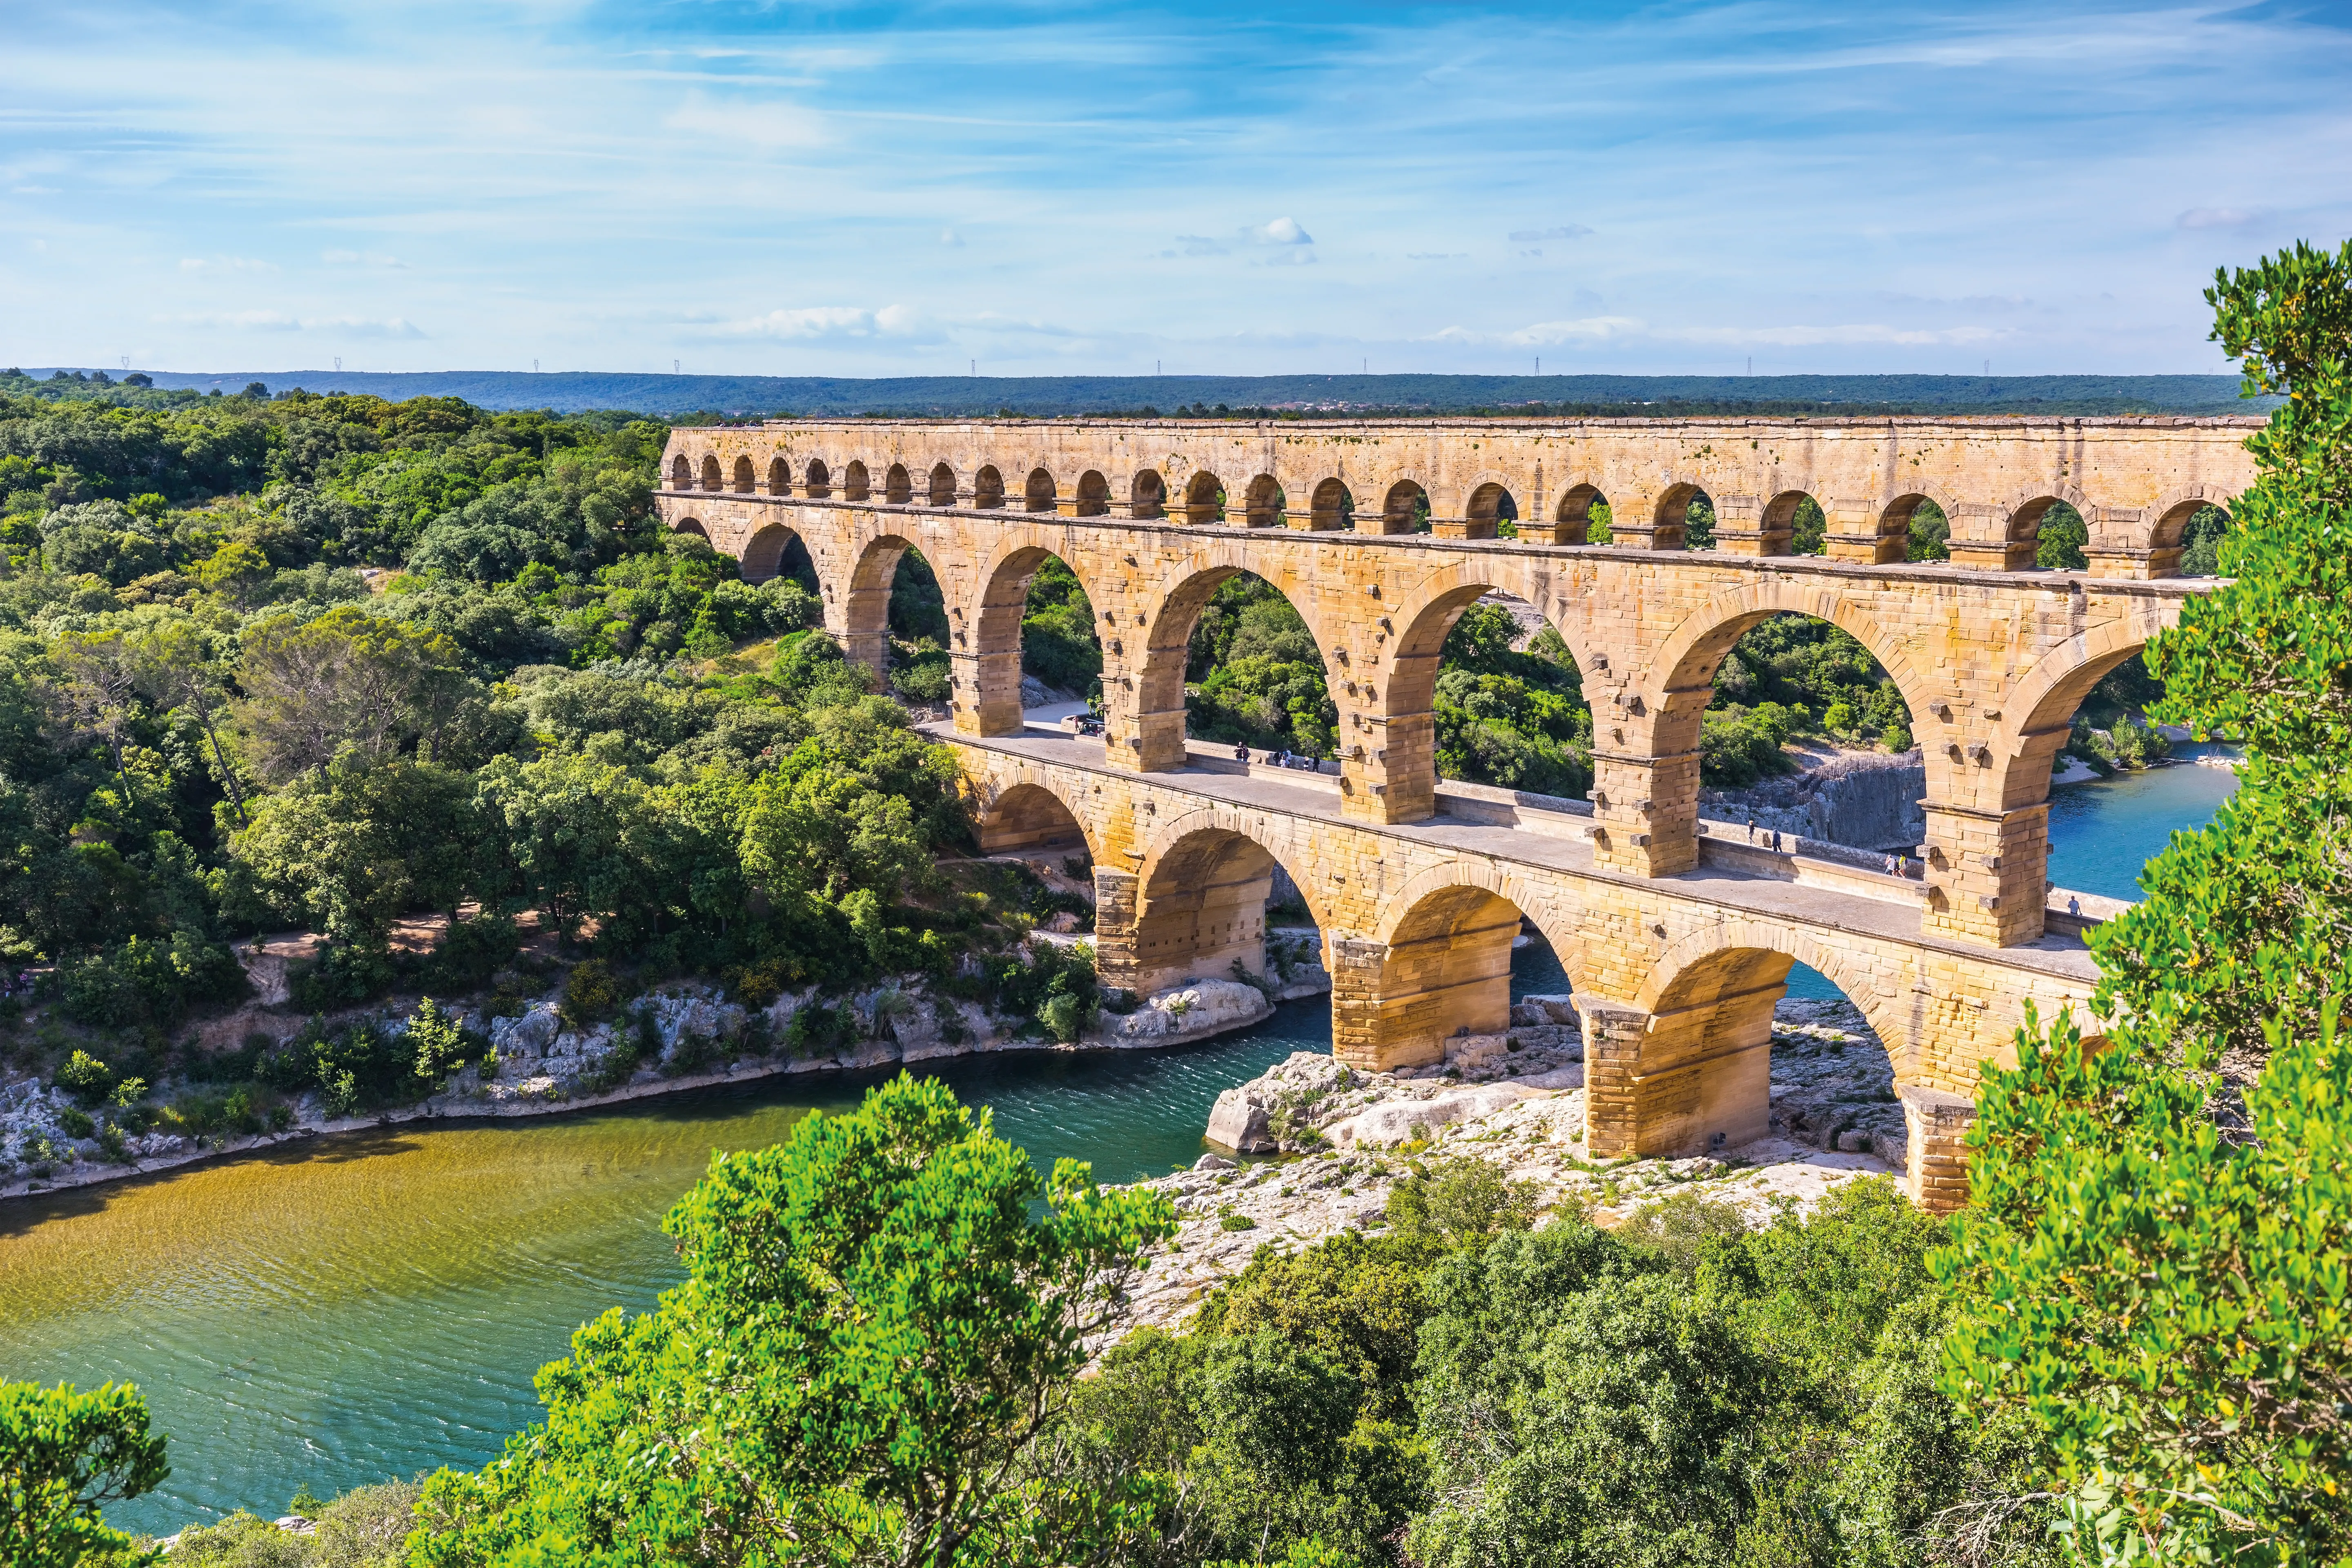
{"x": 85, "y": 1078}
{"x": 590, "y": 993}
{"x": 1789, "y": 677}
{"x": 1253, "y": 673}
{"x": 2155, "y": 1277}
{"x": 1514, "y": 719}
{"x": 150, "y": 980}
{"x": 878, "y": 1318}
{"x": 1058, "y": 642}
{"x": 2059, "y": 545}
{"x": 441, "y": 1046}
{"x": 1459, "y": 1203}
{"x": 64, "y": 1456}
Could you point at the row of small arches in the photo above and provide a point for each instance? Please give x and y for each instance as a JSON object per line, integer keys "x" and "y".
{"x": 1206, "y": 500}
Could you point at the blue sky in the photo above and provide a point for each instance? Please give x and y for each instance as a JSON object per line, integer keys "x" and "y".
{"x": 902, "y": 190}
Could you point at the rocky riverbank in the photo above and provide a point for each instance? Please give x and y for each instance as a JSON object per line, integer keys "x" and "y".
{"x": 681, "y": 1037}
{"x": 1334, "y": 1142}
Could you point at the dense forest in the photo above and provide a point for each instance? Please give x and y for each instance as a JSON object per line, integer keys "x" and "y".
{"x": 329, "y": 663}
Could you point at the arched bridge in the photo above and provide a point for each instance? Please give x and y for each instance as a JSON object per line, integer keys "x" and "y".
{"x": 1991, "y": 658}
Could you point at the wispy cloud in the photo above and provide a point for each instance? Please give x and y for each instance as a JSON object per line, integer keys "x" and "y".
{"x": 279, "y": 321}
{"x": 1560, "y": 231}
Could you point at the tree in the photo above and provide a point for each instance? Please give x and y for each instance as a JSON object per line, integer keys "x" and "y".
{"x": 2157, "y": 1272}
{"x": 94, "y": 698}
{"x": 345, "y": 679}
{"x": 171, "y": 667}
{"x": 351, "y": 848}
{"x": 64, "y": 1455}
{"x": 875, "y": 1324}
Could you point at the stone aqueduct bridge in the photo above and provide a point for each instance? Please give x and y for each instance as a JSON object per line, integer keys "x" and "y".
{"x": 1677, "y": 955}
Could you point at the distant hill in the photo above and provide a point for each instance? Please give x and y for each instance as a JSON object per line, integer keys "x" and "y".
{"x": 968, "y": 397}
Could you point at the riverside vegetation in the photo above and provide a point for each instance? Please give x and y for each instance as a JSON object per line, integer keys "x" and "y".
{"x": 2131, "y": 1350}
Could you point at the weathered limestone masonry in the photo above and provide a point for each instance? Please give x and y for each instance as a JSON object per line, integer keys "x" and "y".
{"x": 1991, "y": 660}
{"x": 1675, "y": 977}
{"x": 1991, "y": 657}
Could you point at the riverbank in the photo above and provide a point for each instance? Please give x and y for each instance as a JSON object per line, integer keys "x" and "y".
{"x": 1333, "y": 1143}
{"x": 677, "y": 1040}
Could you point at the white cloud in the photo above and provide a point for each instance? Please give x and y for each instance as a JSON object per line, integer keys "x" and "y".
{"x": 951, "y": 239}
{"x": 1538, "y": 236}
{"x": 361, "y": 258}
{"x": 820, "y": 323}
{"x": 1611, "y": 329}
{"x": 1281, "y": 231}
{"x": 765, "y": 124}
{"x": 279, "y": 321}
{"x": 2219, "y": 217}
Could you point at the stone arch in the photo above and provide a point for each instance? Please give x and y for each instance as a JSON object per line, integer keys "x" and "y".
{"x": 1401, "y": 686}
{"x": 1440, "y": 966}
{"x": 941, "y": 491}
{"x": 1779, "y": 528}
{"x": 681, "y": 473}
{"x": 1204, "y": 497}
{"x": 2020, "y": 522}
{"x": 855, "y": 483}
{"x": 711, "y": 478}
{"x": 1398, "y": 504}
{"x": 1491, "y": 500}
{"x": 1147, "y": 495}
{"x": 1168, "y": 639}
{"x": 691, "y": 525}
{"x": 1028, "y": 814}
{"x": 1202, "y": 891}
{"x": 816, "y": 479}
{"x": 1504, "y": 881}
{"x": 864, "y": 615}
{"x": 1572, "y": 517}
{"x": 744, "y": 480}
{"x": 1686, "y": 662}
{"x": 780, "y": 476}
{"x": 2039, "y": 710}
{"x": 1263, "y": 502}
{"x": 1670, "y": 518}
{"x": 1331, "y": 505}
{"x": 1038, "y": 493}
{"x": 898, "y": 488}
{"x": 1695, "y": 1077}
{"x": 1892, "y": 540}
{"x": 988, "y": 698}
{"x": 988, "y": 486}
{"x": 1093, "y": 494}
{"x": 2161, "y": 526}
{"x": 764, "y": 554}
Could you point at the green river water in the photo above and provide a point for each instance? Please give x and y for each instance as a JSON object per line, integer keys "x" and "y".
{"x": 342, "y": 1310}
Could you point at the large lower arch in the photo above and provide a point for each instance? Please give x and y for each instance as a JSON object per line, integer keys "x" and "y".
{"x": 1693, "y": 1073}
{"x": 1029, "y": 816}
{"x": 1439, "y": 968}
{"x": 1200, "y": 893}
{"x": 986, "y": 653}
{"x": 774, "y": 550}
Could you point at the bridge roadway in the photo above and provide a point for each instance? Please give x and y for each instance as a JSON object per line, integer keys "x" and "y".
{"x": 1675, "y": 976}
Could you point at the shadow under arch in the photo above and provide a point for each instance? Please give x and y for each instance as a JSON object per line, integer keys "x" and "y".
{"x": 1029, "y": 815}
{"x": 1695, "y": 1077}
{"x": 691, "y": 525}
{"x": 988, "y": 700}
{"x": 1440, "y": 965}
{"x": 865, "y": 613}
{"x": 776, "y": 550}
{"x": 1201, "y": 890}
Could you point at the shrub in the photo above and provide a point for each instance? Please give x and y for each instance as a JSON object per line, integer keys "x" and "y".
{"x": 472, "y": 951}
{"x": 591, "y": 995}
{"x": 441, "y": 1046}
{"x": 77, "y": 1123}
{"x": 150, "y": 980}
{"x": 85, "y": 1078}
{"x": 341, "y": 975}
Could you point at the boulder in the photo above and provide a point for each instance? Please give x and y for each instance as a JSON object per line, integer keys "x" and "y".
{"x": 1212, "y": 1163}
{"x": 1238, "y": 1122}
{"x": 1466, "y": 1051}
{"x": 1396, "y": 1121}
{"x": 1187, "y": 1011}
{"x": 1533, "y": 1012}
{"x": 529, "y": 1034}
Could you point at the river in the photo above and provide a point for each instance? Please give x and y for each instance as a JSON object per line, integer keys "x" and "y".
{"x": 336, "y": 1311}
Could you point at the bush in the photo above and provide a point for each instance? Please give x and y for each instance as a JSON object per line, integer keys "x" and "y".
{"x": 342, "y": 974}
{"x": 472, "y": 951}
{"x": 150, "y": 980}
{"x": 591, "y": 995}
{"x": 85, "y": 1078}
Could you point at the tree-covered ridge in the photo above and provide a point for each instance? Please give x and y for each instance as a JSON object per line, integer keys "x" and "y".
{"x": 386, "y": 662}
